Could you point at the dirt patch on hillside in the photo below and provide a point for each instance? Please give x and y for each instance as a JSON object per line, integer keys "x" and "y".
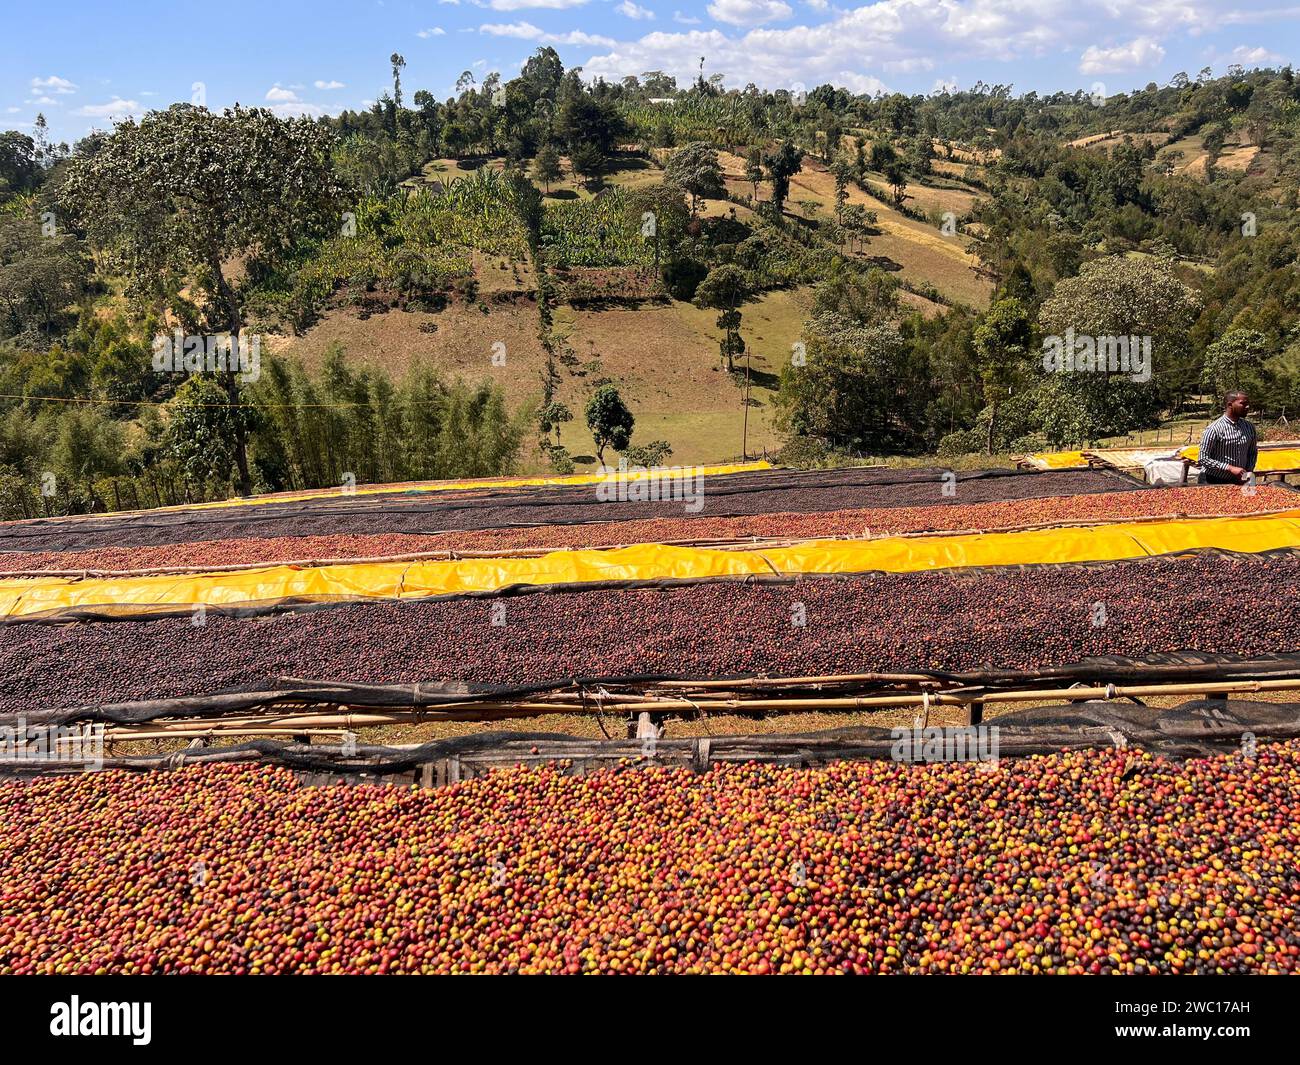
{"x": 458, "y": 342}
{"x": 1238, "y": 159}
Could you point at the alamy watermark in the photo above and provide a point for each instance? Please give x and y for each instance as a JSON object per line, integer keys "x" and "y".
{"x": 81, "y": 743}
{"x": 179, "y": 353}
{"x": 969, "y": 743}
{"x": 1074, "y": 353}
{"x": 638, "y": 484}
{"x": 131, "y": 1020}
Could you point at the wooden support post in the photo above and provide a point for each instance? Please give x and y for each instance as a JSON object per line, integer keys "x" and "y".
{"x": 975, "y": 712}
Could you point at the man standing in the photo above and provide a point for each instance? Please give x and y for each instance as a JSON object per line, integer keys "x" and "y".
{"x": 1228, "y": 449}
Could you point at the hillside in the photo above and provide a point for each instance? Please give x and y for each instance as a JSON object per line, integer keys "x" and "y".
{"x": 590, "y": 269}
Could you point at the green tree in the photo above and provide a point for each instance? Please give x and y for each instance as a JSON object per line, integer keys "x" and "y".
{"x": 40, "y": 276}
{"x": 1119, "y": 297}
{"x": 546, "y": 166}
{"x": 202, "y": 428}
{"x": 398, "y": 64}
{"x": 648, "y": 455}
{"x": 1001, "y": 343}
{"x": 551, "y": 417}
{"x": 896, "y": 174}
{"x": 694, "y": 169}
{"x": 854, "y": 388}
{"x": 782, "y": 164}
{"x": 754, "y": 169}
{"x": 609, "y": 420}
{"x": 669, "y": 216}
{"x": 857, "y": 223}
{"x": 583, "y": 120}
{"x": 589, "y": 163}
{"x": 1236, "y": 361}
{"x": 19, "y": 170}
{"x": 87, "y": 446}
{"x": 842, "y": 171}
{"x": 860, "y": 384}
{"x": 724, "y": 289}
{"x": 882, "y": 154}
{"x": 178, "y": 196}
{"x": 920, "y": 153}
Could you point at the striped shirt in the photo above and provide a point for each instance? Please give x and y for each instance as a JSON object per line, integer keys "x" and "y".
{"x": 1227, "y": 443}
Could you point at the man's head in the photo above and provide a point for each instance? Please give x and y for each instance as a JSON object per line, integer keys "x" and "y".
{"x": 1236, "y": 405}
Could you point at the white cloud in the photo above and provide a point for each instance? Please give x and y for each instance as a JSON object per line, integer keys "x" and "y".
{"x": 771, "y": 58}
{"x": 749, "y": 12}
{"x": 948, "y": 85}
{"x": 818, "y": 5}
{"x": 277, "y": 94}
{"x": 1249, "y": 57}
{"x": 576, "y": 37}
{"x": 115, "y": 108}
{"x": 12, "y": 110}
{"x": 908, "y": 66}
{"x": 685, "y": 20}
{"x": 875, "y": 39}
{"x": 634, "y": 11}
{"x": 53, "y": 84}
{"x": 47, "y": 101}
{"x": 330, "y": 84}
{"x": 435, "y": 31}
{"x": 524, "y": 31}
{"x": 1139, "y": 53}
{"x": 297, "y": 109}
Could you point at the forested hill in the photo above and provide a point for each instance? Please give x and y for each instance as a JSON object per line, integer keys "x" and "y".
{"x": 543, "y": 272}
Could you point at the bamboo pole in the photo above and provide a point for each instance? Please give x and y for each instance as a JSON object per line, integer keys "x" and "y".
{"x": 490, "y": 711}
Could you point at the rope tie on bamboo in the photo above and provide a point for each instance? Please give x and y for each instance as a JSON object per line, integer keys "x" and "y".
{"x": 599, "y": 697}
{"x": 1110, "y": 691}
{"x": 175, "y": 761}
{"x": 700, "y": 712}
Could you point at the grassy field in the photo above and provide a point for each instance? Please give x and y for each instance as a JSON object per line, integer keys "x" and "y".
{"x": 916, "y": 251}
{"x": 663, "y": 356}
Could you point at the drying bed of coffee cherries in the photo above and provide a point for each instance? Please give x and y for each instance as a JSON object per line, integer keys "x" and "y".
{"x": 1099, "y": 507}
{"x": 1099, "y": 861}
{"x": 1007, "y": 618}
{"x": 770, "y": 493}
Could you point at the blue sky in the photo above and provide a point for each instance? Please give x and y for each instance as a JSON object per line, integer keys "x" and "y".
{"x": 83, "y": 63}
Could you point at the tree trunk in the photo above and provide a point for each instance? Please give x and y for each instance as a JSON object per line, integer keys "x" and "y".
{"x": 993, "y": 421}
{"x": 227, "y": 295}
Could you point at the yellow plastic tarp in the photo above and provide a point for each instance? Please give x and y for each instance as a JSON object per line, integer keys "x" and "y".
{"x": 49, "y": 596}
{"x": 1058, "y": 460}
{"x": 1271, "y": 460}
